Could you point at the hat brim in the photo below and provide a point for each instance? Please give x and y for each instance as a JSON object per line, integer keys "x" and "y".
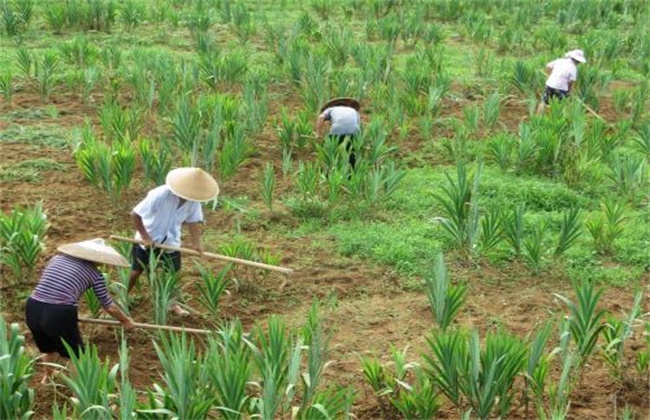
{"x": 102, "y": 255}
{"x": 349, "y": 102}
{"x": 193, "y": 184}
{"x": 580, "y": 58}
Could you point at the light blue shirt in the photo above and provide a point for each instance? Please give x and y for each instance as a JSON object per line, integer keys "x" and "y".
{"x": 344, "y": 120}
{"x": 162, "y": 217}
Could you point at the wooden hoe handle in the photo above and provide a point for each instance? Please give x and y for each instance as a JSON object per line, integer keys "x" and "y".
{"x": 209, "y": 254}
{"x": 144, "y": 326}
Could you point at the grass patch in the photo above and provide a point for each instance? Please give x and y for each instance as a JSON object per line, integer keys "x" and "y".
{"x": 40, "y": 135}
{"x": 608, "y": 273}
{"x": 538, "y": 194}
{"x": 13, "y": 174}
{"x": 40, "y": 164}
{"x": 29, "y": 170}
{"x": 496, "y": 189}
{"x": 31, "y": 114}
{"x": 407, "y": 245}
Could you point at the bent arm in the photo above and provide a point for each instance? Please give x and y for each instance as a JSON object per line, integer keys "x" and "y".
{"x": 549, "y": 67}
{"x": 319, "y": 125}
{"x": 139, "y": 226}
{"x": 117, "y": 313}
{"x": 195, "y": 235}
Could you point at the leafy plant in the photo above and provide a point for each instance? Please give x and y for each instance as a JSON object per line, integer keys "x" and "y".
{"x": 131, "y": 14}
{"x": 16, "y": 16}
{"x": 157, "y": 160}
{"x": 163, "y": 285}
{"x": 447, "y": 363}
{"x": 459, "y": 204}
{"x": 6, "y": 86}
{"x": 570, "y": 230}
{"x": 499, "y": 149}
{"x": 127, "y": 399}
{"x": 617, "y": 332}
{"x": 22, "y": 236}
{"x": 484, "y": 378}
{"x": 16, "y": 369}
{"x": 25, "y": 61}
{"x": 186, "y": 393}
{"x": 277, "y": 356}
{"x": 236, "y": 149}
{"x": 514, "y": 228}
{"x": 627, "y": 172}
{"x": 491, "y": 110}
{"x": 376, "y": 376}
{"x": 45, "y": 72}
{"x": 212, "y": 288}
{"x": 607, "y": 226}
{"x": 445, "y": 300}
{"x": 642, "y": 139}
{"x": 268, "y": 185}
{"x": 55, "y": 16}
{"x": 492, "y": 229}
{"x": 93, "y": 384}
{"x": 533, "y": 246}
{"x": 584, "y": 318}
{"x": 559, "y": 393}
{"x": 537, "y": 366}
{"x": 229, "y": 370}
{"x": 417, "y": 401}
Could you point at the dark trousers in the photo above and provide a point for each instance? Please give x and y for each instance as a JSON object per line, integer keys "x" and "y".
{"x": 349, "y": 147}
{"x": 554, "y": 93}
{"x": 52, "y": 324}
{"x": 140, "y": 258}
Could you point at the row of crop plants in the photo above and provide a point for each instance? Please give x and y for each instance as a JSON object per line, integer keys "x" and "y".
{"x": 213, "y": 105}
{"x": 275, "y": 371}
{"x": 272, "y": 371}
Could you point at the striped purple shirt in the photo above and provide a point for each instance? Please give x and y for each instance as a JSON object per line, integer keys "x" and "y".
{"x": 66, "y": 278}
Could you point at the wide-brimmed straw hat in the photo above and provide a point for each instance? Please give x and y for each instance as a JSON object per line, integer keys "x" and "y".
{"x": 351, "y": 102}
{"x": 577, "y": 55}
{"x": 94, "y": 250}
{"x": 193, "y": 184}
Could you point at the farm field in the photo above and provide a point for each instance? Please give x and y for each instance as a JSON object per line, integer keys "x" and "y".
{"x": 480, "y": 261}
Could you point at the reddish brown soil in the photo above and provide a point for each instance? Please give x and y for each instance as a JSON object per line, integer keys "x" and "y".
{"x": 367, "y": 310}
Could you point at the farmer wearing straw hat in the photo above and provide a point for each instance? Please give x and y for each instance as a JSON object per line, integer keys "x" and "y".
{"x": 51, "y": 310}
{"x": 562, "y": 74}
{"x": 158, "y": 219}
{"x": 345, "y": 122}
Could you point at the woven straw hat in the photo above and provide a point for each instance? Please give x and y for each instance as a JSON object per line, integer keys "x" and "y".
{"x": 193, "y": 184}
{"x": 577, "y": 55}
{"x": 352, "y": 103}
{"x": 94, "y": 250}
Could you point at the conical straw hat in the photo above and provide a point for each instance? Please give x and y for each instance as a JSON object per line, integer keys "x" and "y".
{"x": 193, "y": 184}
{"x": 351, "y": 102}
{"x": 94, "y": 250}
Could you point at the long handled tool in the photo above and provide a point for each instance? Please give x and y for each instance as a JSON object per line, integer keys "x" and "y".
{"x": 211, "y": 255}
{"x": 144, "y": 326}
{"x": 589, "y": 109}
